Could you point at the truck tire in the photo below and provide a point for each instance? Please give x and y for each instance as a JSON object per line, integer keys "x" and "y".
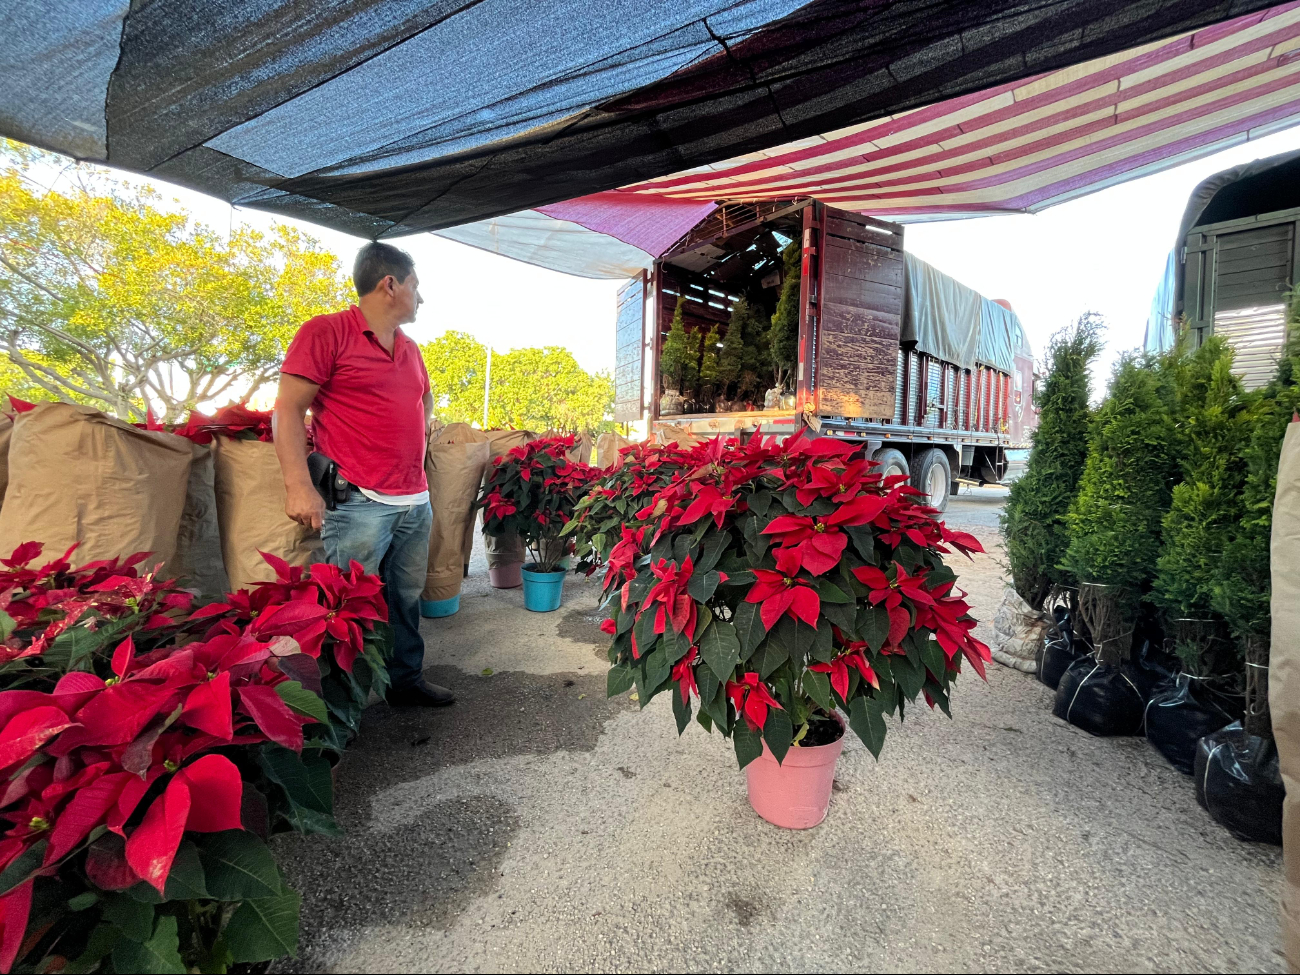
{"x": 932, "y": 476}
{"x": 891, "y": 461}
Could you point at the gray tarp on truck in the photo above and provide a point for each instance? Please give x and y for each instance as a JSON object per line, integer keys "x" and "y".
{"x": 955, "y": 323}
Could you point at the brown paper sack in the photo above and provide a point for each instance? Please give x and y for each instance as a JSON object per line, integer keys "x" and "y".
{"x": 250, "y": 513}
{"x": 1284, "y": 675}
{"x": 459, "y": 433}
{"x": 6, "y": 431}
{"x": 608, "y": 446}
{"x": 505, "y": 549}
{"x": 667, "y": 433}
{"x": 455, "y": 471}
{"x": 81, "y": 476}
{"x": 198, "y": 544}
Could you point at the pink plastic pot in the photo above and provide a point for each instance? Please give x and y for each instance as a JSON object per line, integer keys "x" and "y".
{"x": 796, "y": 793}
{"x": 508, "y": 576}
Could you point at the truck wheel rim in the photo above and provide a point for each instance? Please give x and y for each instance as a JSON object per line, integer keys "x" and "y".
{"x": 935, "y": 487}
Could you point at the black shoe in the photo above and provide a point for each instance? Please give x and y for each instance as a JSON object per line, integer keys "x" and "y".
{"x": 421, "y": 695}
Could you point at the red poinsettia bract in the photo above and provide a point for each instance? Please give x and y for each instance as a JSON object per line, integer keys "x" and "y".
{"x": 751, "y": 699}
{"x": 782, "y": 591}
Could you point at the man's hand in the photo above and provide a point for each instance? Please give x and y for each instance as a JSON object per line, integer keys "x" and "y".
{"x": 305, "y": 506}
{"x": 302, "y": 502}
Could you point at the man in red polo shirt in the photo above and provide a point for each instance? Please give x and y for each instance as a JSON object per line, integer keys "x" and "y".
{"x": 364, "y": 380}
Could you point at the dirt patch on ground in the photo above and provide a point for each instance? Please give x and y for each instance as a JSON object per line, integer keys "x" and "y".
{"x": 417, "y": 875}
{"x": 582, "y": 624}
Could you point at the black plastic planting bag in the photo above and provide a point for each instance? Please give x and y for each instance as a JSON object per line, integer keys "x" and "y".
{"x": 1101, "y": 699}
{"x": 1180, "y": 713}
{"x": 1238, "y": 782}
{"x": 1058, "y": 650}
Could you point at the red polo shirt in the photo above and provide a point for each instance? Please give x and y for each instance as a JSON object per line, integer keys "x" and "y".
{"x": 369, "y": 413}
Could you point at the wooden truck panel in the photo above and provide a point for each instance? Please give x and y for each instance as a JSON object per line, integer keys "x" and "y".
{"x": 852, "y": 308}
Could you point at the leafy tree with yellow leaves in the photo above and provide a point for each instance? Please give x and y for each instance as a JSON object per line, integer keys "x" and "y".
{"x": 107, "y": 298}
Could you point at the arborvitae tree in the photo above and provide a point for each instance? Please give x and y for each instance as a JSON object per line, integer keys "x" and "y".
{"x": 783, "y": 336}
{"x": 1243, "y": 590}
{"x": 675, "y": 352}
{"x": 1034, "y": 519}
{"x": 1115, "y": 520}
{"x": 732, "y": 357}
{"x": 709, "y": 366}
{"x": 755, "y": 362}
{"x": 1206, "y": 506}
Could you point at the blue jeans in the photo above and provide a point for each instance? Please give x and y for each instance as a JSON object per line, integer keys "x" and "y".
{"x": 393, "y": 542}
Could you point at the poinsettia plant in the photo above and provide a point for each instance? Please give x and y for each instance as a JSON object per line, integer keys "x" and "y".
{"x": 144, "y": 774}
{"x": 55, "y": 618}
{"x": 614, "y": 499}
{"x": 337, "y": 618}
{"x": 777, "y": 583}
{"x": 532, "y": 491}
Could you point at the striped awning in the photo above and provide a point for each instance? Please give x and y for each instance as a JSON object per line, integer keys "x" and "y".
{"x": 1014, "y": 148}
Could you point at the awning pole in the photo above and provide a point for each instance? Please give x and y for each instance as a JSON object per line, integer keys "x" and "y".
{"x": 487, "y": 386}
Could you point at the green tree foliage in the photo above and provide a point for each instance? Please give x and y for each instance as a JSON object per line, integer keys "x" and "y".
{"x": 709, "y": 362}
{"x": 1034, "y": 519}
{"x": 1206, "y": 504}
{"x": 1114, "y": 522}
{"x": 756, "y": 359}
{"x": 744, "y": 358}
{"x": 1244, "y": 586}
{"x": 732, "y": 355}
{"x": 532, "y": 389}
{"x": 675, "y": 356}
{"x": 783, "y": 336}
{"x": 456, "y": 362}
{"x": 107, "y": 298}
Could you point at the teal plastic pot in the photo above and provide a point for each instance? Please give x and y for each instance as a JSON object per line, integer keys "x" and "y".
{"x": 435, "y": 608}
{"x": 543, "y": 590}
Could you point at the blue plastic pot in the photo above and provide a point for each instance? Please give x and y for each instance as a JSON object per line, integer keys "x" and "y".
{"x": 435, "y": 608}
{"x": 543, "y": 590}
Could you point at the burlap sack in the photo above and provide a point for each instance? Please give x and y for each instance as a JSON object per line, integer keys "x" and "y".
{"x": 81, "y": 476}
{"x": 1284, "y": 675}
{"x": 1018, "y": 632}
{"x": 505, "y": 549}
{"x": 455, "y": 471}
{"x": 198, "y": 543}
{"x": 607, "y": 447}
{"x": 250, "y": 513}
{"x": 6, "y": 431}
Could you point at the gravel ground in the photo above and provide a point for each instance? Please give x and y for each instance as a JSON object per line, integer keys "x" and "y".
{"x": 537, "y": 826}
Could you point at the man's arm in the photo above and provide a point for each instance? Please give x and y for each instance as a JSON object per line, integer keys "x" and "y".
{"x": 428, "y": 414}
{"x": 303, "y": 502}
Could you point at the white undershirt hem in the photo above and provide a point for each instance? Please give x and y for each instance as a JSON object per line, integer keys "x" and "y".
{"x": 396, "y": 499}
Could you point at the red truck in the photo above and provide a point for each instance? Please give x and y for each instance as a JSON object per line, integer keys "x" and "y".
{"x": 936, "y": 380}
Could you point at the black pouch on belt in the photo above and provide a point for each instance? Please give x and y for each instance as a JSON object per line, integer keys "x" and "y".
{"x": 331, "y": 485}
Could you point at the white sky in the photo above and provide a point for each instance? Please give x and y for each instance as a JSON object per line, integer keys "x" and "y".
{"x": 1103, "y": 252}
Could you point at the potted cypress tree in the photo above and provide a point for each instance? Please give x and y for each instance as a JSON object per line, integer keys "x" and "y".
{"x": 1204, "y": 514}
{"x": 673, "y": 364}
{"x": 709, "y": 370}
{"x": 783, "y": 333}
{"x": 1236, "y": 769}
{"x": 1114, "y": 528}
{"x": 1033, "y": 522}
{"x": 730, "y": 359}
